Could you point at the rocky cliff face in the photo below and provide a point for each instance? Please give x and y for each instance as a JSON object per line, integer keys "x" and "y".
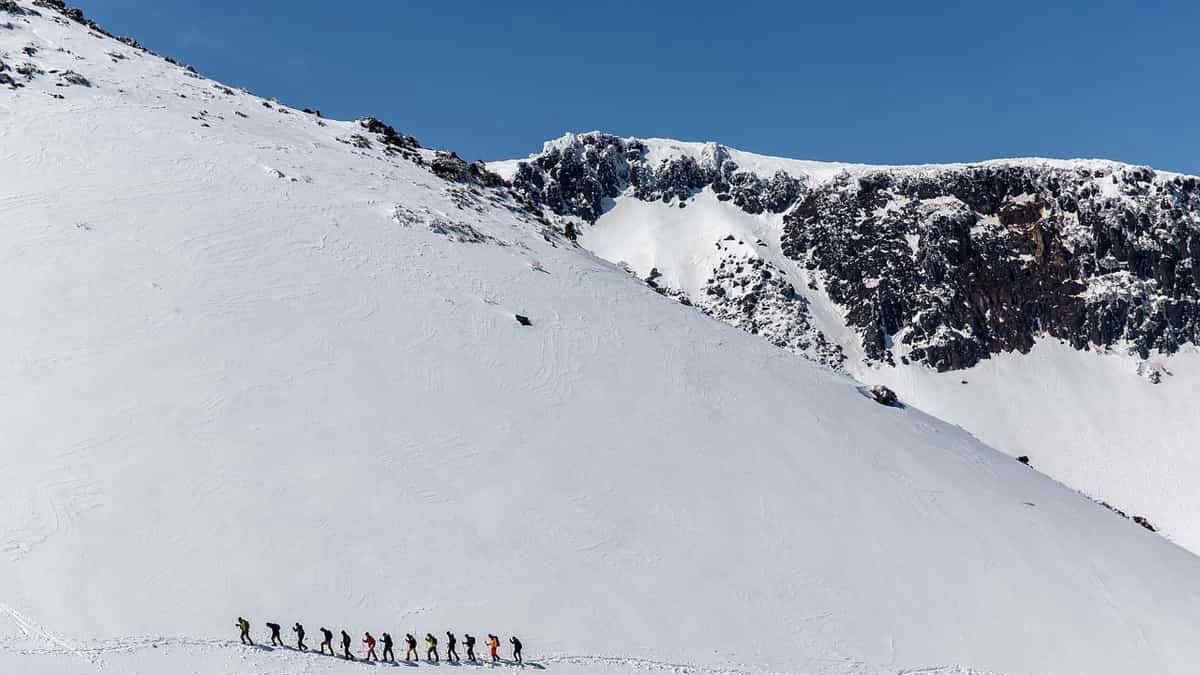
{"x": 938, "y": 265}
{"x": 958, "y": 264}
{"x": 576, "y": 175}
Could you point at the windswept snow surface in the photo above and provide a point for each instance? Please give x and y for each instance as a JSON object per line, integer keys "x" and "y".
{"x": 244, "y": 375}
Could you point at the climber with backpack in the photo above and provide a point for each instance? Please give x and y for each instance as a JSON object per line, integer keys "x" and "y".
{"x": 244, "y": 626}
{"x": 346, "y": 646}
{"x": 516, "y": 645}
{"x": 299, "y": 631}
{"x": 276, "y": 641}
{"x": 411, "y": 654}
{"x": 431, "y": 654}
{"x": 369, "y": 641}
{"x": 451, "y": 652}
{"x": 388, "y": 654}
{"x": 493, "y": 644}
{"x": 328, "y": 641}
{"x": 469, "y": 641}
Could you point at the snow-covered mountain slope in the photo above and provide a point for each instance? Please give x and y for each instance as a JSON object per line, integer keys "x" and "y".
{"x": 1050, "y": 307}
{"x": 259, "y": 363}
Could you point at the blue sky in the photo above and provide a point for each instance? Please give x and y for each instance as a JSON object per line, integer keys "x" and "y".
{"x": 866, "y": 81}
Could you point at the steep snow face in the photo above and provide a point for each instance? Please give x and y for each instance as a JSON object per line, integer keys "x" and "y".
{"x": 264, "y": 364}
{"x": 1086, "y": 416}
{"x": 913, "y": 276}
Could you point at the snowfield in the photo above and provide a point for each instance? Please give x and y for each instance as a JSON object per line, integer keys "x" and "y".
{"x": 1090, "y": 419}
{"x": 254, "y": 369}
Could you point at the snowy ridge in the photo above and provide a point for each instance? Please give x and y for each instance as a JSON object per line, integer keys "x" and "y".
{"x": 267, "y": 364}
{"x": 818, "y": 171}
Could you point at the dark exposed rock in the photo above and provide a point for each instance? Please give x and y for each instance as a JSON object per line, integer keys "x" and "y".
{"x": 61, "y": 7}
{"x": 577, "y": 175}
{"x": 390, "y": 136}
{"x": 1140, "y": 520}
{"x": 750, "y": 293}
{"x": 942, "y": 266}
{"x": 884, "y": 396}
{"x": 1114, "y": 509}
{"x": 452, "y": 167}
{"x": 1024, "y": 459}
{"x": 72, "y": 77}
{"x": 10, "y": 7}
{"x": 523, "y": 320}
{"x": 959, "y": 264}
{"x": 462, "y": 232}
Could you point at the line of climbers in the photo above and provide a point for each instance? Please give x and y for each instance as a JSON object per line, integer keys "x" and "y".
{"x": 431, "y": 643}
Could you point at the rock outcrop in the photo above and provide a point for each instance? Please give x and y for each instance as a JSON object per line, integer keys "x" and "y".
{"x": 939, "y": 265}
{"x": 952, "y": 265}
{"x": 574, "y": 176}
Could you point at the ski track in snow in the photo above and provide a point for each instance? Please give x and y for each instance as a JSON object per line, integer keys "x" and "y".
{"x": 32, "y": 630}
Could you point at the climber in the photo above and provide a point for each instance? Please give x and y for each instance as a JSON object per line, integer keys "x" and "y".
{"x": 388, "y": 654}
{"x": 431, "y": 654}
{"x": 328, "y": 641}
{"x": 516, "y": 645}
{"x": 369, "y": 641}
{"x": 276, "y": 641}
{"x": 299, "y": 631}
{"x": 493, "y": 644}
{"x": 346, "y": 646}
{"x": 411, "y": 654}
{"x": 244, "y": 626}
{"x": 470, "y": 643}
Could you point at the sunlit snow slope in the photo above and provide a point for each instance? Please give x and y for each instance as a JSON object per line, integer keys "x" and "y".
{"x": 1091, "y": 419}
{"x": 252, "y": 370}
